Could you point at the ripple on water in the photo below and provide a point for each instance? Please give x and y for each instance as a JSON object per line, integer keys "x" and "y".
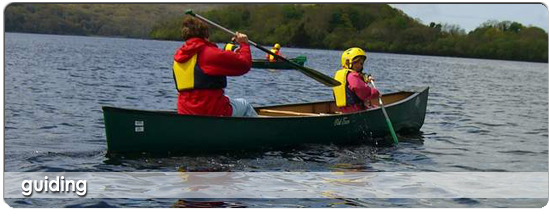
{"x": 518, "y": 152}
{"x": 92, "y": 204}
{"x": 466, "y": 122}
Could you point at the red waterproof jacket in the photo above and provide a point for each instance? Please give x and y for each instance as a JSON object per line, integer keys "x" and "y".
{"x": 216, "y": 62}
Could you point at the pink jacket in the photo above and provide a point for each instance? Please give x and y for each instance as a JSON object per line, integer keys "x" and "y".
{"x": 357, "y": 85}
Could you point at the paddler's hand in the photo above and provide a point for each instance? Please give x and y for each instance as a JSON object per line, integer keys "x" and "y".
{"x": 241, "y": 38}
{"x": 369, "y": 78}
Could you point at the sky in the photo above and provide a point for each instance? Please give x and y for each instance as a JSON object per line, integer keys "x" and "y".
{"x": 470, "y": 16}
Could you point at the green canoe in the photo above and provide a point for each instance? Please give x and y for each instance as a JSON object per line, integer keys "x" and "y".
{"x": 265, "y": 64}
{"x": 136, "y": 131}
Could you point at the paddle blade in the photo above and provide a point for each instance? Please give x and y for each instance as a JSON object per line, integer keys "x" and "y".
{"x": 387, "y": 120}
{"x": 190, "y": 12}
{"x": 392, "y": 130}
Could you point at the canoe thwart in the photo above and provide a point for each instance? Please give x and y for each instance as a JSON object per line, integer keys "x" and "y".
{"x": 285, "y": 113}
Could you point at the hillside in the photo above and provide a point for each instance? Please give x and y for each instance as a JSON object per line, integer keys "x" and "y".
{"x": 121, "y": 20}
{"x": 375, "y": 27}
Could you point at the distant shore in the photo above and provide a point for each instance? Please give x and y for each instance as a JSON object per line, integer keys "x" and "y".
{"x": 374, "y": 27}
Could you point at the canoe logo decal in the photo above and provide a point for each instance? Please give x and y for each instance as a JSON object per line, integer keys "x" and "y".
{"x": 341, "y": 121}
{"x": 139, "y": 126}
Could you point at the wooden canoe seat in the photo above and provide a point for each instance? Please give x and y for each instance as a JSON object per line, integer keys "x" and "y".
{"x": 285, "y": 113}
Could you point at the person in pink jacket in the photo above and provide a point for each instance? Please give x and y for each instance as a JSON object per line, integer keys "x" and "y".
{"x": 354, "y": 94}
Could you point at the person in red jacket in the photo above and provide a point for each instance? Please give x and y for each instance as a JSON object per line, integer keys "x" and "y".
{"x": 200, "y": 71}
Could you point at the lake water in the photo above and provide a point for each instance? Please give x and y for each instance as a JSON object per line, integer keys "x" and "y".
{"x": 482, "y": 116}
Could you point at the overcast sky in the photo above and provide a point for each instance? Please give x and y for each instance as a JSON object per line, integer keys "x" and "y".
{"x": 470, "y": 16}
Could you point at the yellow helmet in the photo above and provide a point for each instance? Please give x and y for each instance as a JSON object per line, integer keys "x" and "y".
{"x": 349, "y": 54}
{"x": 277, "y": 46}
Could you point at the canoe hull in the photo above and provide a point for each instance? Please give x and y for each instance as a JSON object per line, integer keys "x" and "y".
{"x": 136, "y": 131}
{"x": 265, "y": 64}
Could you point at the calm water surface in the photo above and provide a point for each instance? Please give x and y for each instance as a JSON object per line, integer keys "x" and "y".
{"x": 482, "y": 115}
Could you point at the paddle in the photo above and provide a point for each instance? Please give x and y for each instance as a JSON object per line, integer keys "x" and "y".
{"x": 389, "y": 124}
{"x": 316, "y": 75}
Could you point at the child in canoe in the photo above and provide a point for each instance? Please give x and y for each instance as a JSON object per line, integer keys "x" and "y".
{"x": 275, "y": 50}
{"x": 354, "y": 94}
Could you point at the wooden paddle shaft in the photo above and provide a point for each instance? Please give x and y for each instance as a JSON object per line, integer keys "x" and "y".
{"x": 328, "y": 81}
{"x": 232, "y": 33}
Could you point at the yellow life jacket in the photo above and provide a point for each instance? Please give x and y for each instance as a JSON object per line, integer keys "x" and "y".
{"x": 342, "y": 94}
{"x": 230, "y": 47}
{"x": 189, "y": 75}
{"x": 270, "y": 57}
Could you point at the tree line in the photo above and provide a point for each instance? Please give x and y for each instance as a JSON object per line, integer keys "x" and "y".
{"x": 116, "y": 20}
{"x": 374, "y": 27}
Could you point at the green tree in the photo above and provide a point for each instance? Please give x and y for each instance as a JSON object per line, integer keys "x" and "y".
{"x": 375, "y": 27}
